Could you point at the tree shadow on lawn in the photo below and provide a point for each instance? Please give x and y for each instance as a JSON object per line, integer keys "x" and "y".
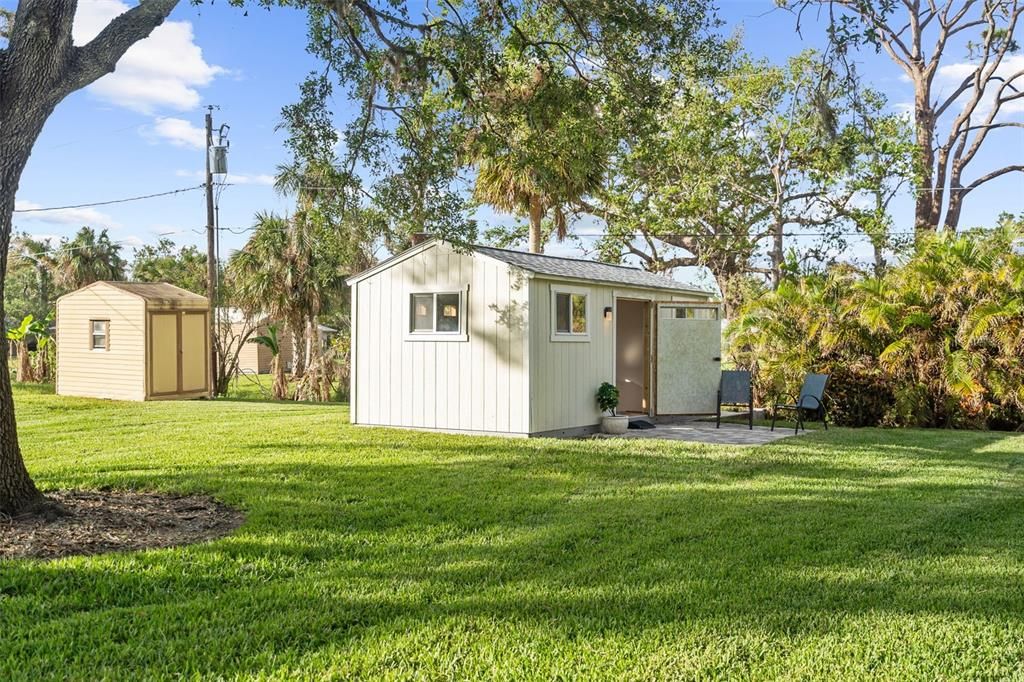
{"x": 559, "y": 538}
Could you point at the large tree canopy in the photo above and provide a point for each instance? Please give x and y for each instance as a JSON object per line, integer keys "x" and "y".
{"x": 475, "y": 86}
{"x": 740, "y": 162}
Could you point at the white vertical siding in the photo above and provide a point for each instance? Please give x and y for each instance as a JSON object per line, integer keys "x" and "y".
{"x": 564, "y": 375}
{"x": 118, "y": 373}
{"x": 474, "y": 385}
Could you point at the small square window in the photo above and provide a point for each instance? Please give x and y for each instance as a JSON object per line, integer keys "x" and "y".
{"x": 570, "y": 313}
{"x": 435, "y": 313}
{"x": 99, "y": 332}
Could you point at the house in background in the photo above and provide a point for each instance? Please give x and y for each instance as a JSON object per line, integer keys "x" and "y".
{"x": 255, "y": 358}
{"x": 485, "y": 340}
{"x": 133, "y": 341}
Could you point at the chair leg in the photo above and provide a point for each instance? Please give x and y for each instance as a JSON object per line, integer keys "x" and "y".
{"x": 824, "y": 418}
{"x": 799, "y": 421}
{"x": 750, "y": 417}
{"x": 718, "y": 417}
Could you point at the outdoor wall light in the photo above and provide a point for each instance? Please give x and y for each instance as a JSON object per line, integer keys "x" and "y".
{"x": 608, "y": 312}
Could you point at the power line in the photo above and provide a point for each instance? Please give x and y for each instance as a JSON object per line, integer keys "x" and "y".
{"x": 640, "y": 235}
{"x": 111, "y": 201}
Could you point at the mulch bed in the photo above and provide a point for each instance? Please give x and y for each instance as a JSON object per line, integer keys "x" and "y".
{"x": 116, "y": 521}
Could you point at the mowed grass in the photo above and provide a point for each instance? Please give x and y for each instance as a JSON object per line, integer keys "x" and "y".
{"x": 383, "y": 554}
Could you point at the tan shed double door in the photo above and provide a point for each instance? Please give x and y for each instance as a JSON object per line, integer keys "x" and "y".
{"x": 177, "y": 353}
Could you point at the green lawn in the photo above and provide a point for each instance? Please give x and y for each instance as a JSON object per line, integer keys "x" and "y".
{"x": 397, "y": 555}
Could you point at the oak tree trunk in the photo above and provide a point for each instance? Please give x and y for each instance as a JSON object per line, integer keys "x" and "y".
{"x": 19, "y": 128}
{"x": 927, "y": 204}
{"x": 39, "y": 67}
{"x": 778, "y": 253}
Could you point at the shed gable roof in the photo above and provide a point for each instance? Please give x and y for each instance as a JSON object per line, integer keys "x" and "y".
{"x": 156, "y": 294}
{"x": 553, "y": 266}
{"x": 578, "y": 268}
{"x": 159, "y": 292}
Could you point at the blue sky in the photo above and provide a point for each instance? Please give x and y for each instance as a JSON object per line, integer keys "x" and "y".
{"x": 138, "y": 131}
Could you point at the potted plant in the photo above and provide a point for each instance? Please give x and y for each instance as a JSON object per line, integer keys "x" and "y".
{"x": 608, "y": 400}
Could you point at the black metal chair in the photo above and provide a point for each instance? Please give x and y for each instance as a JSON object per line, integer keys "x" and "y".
{"x": 735, "y": 388}
{"x": 810, "y": 400}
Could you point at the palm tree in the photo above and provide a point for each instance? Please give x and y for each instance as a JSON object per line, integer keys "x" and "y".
{"x": 542, "y": 154}
{"x": 268, "y": 275}
{"x": 280, "y": 273}
{"x": 88, "y": 257}
{"x": 308, "y": 181}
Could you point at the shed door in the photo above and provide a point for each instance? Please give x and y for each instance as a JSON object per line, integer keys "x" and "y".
{"x": 193, "y": 351}
{"x": 177, "y": 353}
{"x": 689, "y": 339}
{"x": 163, "y": 353}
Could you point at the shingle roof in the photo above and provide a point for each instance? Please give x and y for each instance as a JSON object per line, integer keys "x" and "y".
{"x": 576, "y": 268}
{"x": 160, "y": 292}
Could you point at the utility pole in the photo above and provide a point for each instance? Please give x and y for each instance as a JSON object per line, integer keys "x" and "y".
{"x": 211, "y": 259}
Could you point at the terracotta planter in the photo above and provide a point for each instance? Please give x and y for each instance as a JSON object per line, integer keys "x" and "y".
{"x": 614, "y": 425}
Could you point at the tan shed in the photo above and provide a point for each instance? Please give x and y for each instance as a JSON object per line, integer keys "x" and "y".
{"x": 133, "y": 341}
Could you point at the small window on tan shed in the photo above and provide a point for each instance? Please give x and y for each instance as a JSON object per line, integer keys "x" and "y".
{"x": 99, "y": 337}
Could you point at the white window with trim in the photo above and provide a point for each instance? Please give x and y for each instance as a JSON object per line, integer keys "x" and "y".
{"x": 570, "y": 313}
{"x": 99, "y": 334}
{"x": 437, "y": 316}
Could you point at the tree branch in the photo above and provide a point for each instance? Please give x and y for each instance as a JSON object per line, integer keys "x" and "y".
{"x": 991, "y": 176}
{"x": 99, "y": 57}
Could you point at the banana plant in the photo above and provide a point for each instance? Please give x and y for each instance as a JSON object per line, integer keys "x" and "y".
{"x": 270, "y": 340}
{"x": 19, "y": 336}
{"x": 40, "y": 329}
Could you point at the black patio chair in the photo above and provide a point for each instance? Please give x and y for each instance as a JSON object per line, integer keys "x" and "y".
{"x": 735, "y": 388}
{"x": 810, "y": 401}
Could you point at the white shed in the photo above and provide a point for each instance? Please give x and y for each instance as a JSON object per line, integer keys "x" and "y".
{"x": 485, "y": 340}
{"x": 133, "y": 341}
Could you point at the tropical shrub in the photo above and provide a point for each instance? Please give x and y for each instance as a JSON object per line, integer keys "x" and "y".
{"x": 937, "y": 341}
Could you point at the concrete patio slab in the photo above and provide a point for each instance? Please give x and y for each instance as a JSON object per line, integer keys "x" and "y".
{"x": 694, "y": 431}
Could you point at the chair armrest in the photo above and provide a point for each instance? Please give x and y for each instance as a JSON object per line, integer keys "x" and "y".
{"x": 814, "y": 398}
{"x": 792, "y": 398}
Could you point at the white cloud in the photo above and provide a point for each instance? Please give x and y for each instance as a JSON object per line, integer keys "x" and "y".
{"x": 952, "y": 75}
{"x": 179, "y": 132}
{"x": 65, "y": 216}
{"x": 243, "y": 179}
{"x": 163, "y": 70}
